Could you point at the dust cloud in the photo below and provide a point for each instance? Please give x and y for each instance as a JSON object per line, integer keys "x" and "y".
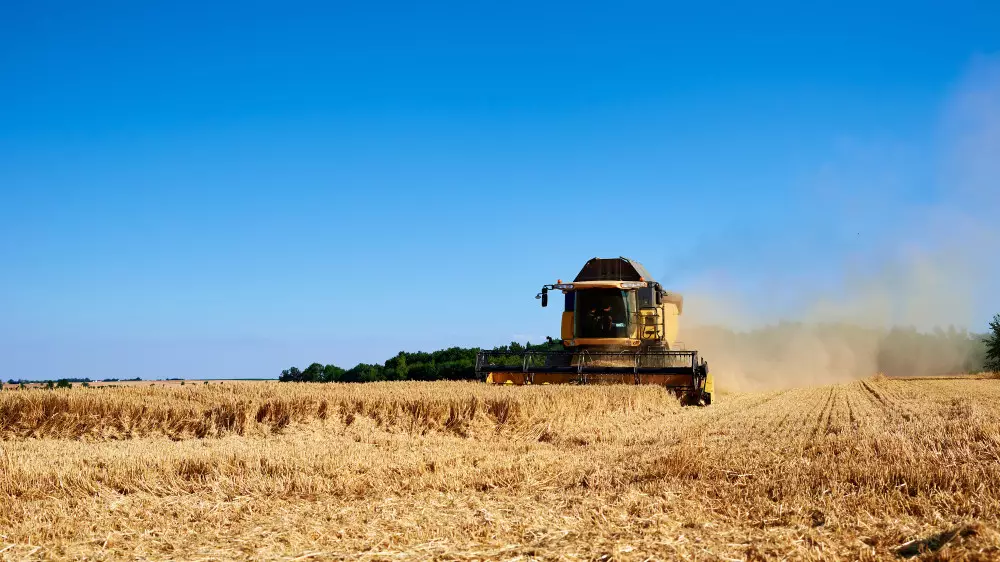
{"x": 924, "y": 259}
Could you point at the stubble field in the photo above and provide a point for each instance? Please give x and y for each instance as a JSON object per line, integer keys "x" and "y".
{"x": 872, "y": 469}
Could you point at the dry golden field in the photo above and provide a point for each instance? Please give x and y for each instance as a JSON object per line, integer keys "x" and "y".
{"x": 873, "y": 469}
{"x": 172, "y": 382}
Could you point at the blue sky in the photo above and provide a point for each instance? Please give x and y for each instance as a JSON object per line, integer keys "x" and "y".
{"x": 229, "y": 189}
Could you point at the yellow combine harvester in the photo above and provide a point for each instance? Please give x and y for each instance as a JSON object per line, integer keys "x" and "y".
{"x": 618, "y": 327}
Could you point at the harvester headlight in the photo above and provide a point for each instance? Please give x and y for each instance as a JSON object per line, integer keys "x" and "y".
{"x": 633, "y": 284}
{"x": 563, "y": 286}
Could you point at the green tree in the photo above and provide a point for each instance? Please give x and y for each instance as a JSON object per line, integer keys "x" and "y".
{"x": 333, "y": 373}
{"x": 402, "y": 369}
{"x": 397, "y": 368}
{"x": 424, "y": 371}
{"x": 313, "y": 373}
{"x": 457, "y": 370}
{"x": 453, "y": 363}
{"x": 292, "y": 374}
{"x": 363, "y": 372}
{"x": 992, "y": 341}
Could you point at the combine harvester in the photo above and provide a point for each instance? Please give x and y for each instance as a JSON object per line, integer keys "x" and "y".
{"x": 618, "y": 327}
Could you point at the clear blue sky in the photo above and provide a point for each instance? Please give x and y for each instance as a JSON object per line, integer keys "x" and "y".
{"x": 226, "y": 189}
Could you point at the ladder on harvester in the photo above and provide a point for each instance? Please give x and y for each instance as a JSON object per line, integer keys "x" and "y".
{"x": 651, "y": 325}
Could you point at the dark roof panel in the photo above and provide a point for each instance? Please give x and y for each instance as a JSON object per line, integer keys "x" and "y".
{"x": 613, "y": 269}
{"x": 641, "y": 270}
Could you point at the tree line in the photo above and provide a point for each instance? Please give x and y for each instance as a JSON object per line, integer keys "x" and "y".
{"x": 454, "y": 363}
{"x": 898, "y": 352}
{"x": 992, "y": 342}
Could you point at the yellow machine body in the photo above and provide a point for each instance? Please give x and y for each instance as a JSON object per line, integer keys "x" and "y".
{"x": 618, "y": 326}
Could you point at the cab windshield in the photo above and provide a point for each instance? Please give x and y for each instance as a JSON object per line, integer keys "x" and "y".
{"x": 601, "y": 313}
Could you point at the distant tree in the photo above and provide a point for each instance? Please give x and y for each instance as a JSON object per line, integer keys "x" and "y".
{"x": 402, "y": 369}
{"x": 332, "y": 373}
{"x": 424, "y": 371}
{"x": 457, "y": 370}
{"x": 313, "y": 373}
{"x": 397, "y": 369}
{"x": 375, "y": 373}
{"x": 85, "y": 384}
{"x": 363, "y": 372}
{"x": 453, "y": 363}
{"x": 50, "y": 385}
{"x": 992, "y": 341}
{"x": 418, "y": 357}
{"x": 292, "y": 374}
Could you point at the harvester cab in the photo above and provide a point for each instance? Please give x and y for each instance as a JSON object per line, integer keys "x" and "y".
{"x": 618, "y": 326}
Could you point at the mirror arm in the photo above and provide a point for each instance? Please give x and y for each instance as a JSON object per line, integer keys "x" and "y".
{"x": 544, "y": 295}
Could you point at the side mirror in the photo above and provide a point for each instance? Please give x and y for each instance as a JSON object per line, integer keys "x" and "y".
{"x": 545, "y": 296}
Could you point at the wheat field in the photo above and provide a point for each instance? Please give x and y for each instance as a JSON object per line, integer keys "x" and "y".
{"x": 872, "y": 469}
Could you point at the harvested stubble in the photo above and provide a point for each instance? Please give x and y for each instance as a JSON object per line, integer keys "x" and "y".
{"x": 872, "y": 469}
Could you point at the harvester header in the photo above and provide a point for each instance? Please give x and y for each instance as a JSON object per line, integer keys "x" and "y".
{"x": 618, "y": 326}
